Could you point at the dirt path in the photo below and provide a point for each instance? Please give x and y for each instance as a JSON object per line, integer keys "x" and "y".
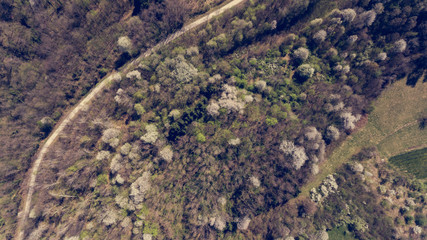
{"x": 23, "y": 215}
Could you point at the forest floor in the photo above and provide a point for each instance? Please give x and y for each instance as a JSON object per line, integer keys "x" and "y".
{"x": 392, "y": 127}
{"x": 28, "y": 188}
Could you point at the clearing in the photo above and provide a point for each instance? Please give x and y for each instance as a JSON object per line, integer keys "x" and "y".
{"x": 392, "y": 127}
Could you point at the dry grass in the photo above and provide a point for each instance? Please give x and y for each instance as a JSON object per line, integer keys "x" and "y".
{"x": 392, "y": 127}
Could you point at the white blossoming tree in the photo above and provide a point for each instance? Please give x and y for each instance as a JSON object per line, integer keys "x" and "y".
{"x": 297, "y": 153}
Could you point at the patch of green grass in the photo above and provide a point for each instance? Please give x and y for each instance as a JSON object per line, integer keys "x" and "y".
{"x": 151, "y": 228}
{"x": 341, "y": 233}
{"x": 73, "y": 168}
{"x": 414, "y": 162}
{"x": 102, "y": 179}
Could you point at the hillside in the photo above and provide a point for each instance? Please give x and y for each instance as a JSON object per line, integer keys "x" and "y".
{"x": 237, "y": 129}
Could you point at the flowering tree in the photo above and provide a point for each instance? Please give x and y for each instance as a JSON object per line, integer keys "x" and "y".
{"x": 297, "y": 153}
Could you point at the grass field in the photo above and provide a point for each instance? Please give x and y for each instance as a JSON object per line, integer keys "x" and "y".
{"x": 414, "y": 162}
{"x": 392, "y": 127}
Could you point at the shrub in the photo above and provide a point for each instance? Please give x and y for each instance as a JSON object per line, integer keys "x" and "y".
{"x": 150, "y": 229}
{"x": 243, "y": 223}
{"x": 192, "y": 51}
{"x": 102, "y": 155}
{"x": 102, "y": 179}
{"x": 115, "y": 164}
{"x": 134, "y": 75}
{"x": 420, "y": 219}
{"x": 260, "y": 85}
{"x": 175, "y": 113}
{"x": 200, "y": 138}
{"x": 125, "y": 149}
{"x": 234, "y": 142}
{"x": 271, "y": 121}
{"x": 409, "y": 219}
{"x": 182, "y": 70}
{"x": 139, "y": 109}
{"x": 382, "y": 56}
{"x": 46, "y": 125}
{"x": 352, "y": 39}
{"x": 255, "y": 181}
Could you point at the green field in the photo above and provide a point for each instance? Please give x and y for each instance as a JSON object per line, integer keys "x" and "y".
{"x": 414, "y": 162}
{"x": 392, "y": 127}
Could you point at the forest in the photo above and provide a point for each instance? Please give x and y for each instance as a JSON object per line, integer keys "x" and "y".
{"x": 214, "y": 135}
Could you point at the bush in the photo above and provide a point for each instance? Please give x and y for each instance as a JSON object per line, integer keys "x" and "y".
{"x": 200, "y": 138}
{"x": 420, "y": 220}
{"x": 45, "y": 125}
{"x": 409, "y": 219}
{"x": 102, "y": 179}
{"x": 271, "y": 121}
{"x": 139, "y": 109}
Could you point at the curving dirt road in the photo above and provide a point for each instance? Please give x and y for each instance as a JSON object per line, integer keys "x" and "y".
{"x": 23, "y": 215}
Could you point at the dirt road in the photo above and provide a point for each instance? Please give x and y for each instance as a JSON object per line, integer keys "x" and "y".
{"x": 85, "y": 102}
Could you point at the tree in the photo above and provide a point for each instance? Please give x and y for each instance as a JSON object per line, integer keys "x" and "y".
{"x": 399, "y": 46}
{"x": 301, "y": 54}
{"x": 348, "y": 15}
{"x": 349, "y": 120}
{"x": 166, "y": 154}
{"x": 296, "y": 152}
{"x": 304, "y": 72}
{"x": 140, "y": 188}
{"x": 151, "y": 135}
{"x": 332, "y": 133}
{"x": 139, "y": 109}
{"x": 125, "y": 44}
{"x": 320, "y": 36}
{"x": 45, "y": 125}
{"x": 366, "y": 19}
{"x": 110, "y": 136}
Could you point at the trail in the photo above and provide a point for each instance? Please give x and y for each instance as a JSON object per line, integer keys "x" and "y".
{"x": 23, "y": 215}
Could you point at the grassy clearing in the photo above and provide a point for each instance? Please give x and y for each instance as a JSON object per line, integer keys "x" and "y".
{"x": 414, "y": 162}
{"x": 341, "y": 233}
{"x": 392, "y": 127}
